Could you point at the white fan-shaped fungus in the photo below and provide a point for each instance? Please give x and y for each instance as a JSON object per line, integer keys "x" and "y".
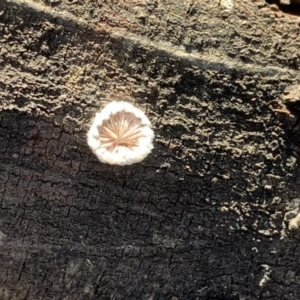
{"x": 121, "y": 134}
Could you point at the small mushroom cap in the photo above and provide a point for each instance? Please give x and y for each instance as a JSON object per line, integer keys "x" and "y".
{"x": 121, "y": 134}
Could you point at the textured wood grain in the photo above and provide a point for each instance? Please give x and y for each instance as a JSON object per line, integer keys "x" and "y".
{"x": 206, "y": 215}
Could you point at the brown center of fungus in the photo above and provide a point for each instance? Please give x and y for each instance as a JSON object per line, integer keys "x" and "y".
{"x": 121, "y": 129}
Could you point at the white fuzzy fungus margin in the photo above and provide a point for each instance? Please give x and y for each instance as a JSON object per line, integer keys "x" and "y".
{"x": 121, "y": 134}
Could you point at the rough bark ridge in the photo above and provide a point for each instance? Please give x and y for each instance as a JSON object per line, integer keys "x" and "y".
{"x": 206, "y": 215}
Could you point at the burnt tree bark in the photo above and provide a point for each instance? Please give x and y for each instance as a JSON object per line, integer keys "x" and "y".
{"x": 211, "y": 213}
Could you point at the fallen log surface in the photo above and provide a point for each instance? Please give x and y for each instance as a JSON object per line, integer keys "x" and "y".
{"x": 212, "y": 212}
